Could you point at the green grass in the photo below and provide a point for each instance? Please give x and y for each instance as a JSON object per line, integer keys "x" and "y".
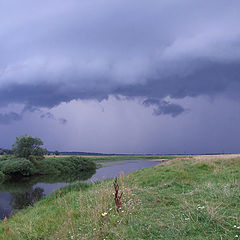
{"x": 181, "y": 199}
{"x": 2, "y": 176}
{"x": 133, "y": 157}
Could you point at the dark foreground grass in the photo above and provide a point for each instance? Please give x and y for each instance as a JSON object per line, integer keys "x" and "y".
{"x": 181, "y": 199}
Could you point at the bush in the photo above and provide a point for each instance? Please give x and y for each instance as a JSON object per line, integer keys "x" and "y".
{"x": 70, "y": 167}
{"x": 17, "y": 167}
{"x": 2, "y": 176}
{"x": 5, "y": 157}
{"x": 65, "y": 165}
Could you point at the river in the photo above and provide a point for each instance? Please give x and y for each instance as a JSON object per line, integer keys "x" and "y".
{"x": 25, "y": 192}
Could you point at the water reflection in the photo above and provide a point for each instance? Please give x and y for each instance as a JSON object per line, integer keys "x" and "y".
{"x": 20, "y": 193}
{"x": 21, "y": 200}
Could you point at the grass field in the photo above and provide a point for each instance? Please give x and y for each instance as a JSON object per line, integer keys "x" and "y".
{"x": 107, "y": 158}
{"x": 185, "y": 198}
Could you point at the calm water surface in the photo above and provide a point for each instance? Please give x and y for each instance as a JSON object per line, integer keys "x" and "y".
{"x": 19, "y": 194}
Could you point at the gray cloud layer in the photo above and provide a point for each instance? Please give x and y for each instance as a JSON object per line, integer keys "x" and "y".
{"x": 163, "y": 107}
{"x": 49, "y": 115}
{"x": 7, "y": 118}
{"x": 58, "y": 51}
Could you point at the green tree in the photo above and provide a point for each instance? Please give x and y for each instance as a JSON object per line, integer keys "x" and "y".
{"x": 28, "y": 147}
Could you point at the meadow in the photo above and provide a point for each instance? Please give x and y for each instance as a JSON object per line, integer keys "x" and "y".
{"x": 107, "y": 158}
{"x": 183, "y": 198}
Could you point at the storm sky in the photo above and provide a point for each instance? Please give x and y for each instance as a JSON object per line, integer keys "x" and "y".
{"x": 118, "y": 76}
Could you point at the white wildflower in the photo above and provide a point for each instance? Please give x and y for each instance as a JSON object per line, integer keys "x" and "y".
{"x": 104, "y": 214}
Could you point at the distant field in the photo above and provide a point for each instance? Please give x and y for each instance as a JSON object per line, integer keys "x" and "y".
{"x": 152, "y": 157}
{"x": 218, "y": 156}
{"x": 125, "y": 157}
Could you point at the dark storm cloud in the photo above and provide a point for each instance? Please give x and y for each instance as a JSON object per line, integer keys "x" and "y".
{"x": 50, "y": 116}
{"x": 90, "y": 50}
{"x": 47, "y": 115}
{"x": 163, "y": 107}
{"x": 8, "y": 118}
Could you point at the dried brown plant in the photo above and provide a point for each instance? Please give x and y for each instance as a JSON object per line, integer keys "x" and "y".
{"x": 117, "y": 195}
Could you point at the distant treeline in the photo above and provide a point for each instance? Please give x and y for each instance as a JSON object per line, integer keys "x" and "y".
{"x": 75, "y": 153}
{"x": 5, "y": 151}
{"x": 8, "y": 151}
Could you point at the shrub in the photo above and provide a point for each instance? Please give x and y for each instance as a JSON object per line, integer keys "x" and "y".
{"x": 2, "y": 176}
{"x": 65, "y": 165}
{"x": 70, "y": 167}
{"x": 5, "y": 157}
{"x": 17, "y": 166}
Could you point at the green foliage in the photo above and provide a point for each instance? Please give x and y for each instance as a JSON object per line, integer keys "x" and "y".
{"x": 27, "y": 147}
{"x": 17, "y": 167}
{"x": 2, "y": 176}
{"x": 72, "y": 168}
{"x": 65, "y": 165}
{"x": 5, "y": 157}
{"x": 28, "y": 161}
{"x": 5, "y": 151}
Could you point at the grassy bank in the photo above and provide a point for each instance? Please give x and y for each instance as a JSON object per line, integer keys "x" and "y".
{"x": 195, "y": 198}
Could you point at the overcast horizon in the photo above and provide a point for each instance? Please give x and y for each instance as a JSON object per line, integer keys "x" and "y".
{"x": 156, "y": 76}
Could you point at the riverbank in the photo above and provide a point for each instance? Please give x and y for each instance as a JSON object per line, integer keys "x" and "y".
{"x": 191, "y": 198}
{"x": 12, "y": 167}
